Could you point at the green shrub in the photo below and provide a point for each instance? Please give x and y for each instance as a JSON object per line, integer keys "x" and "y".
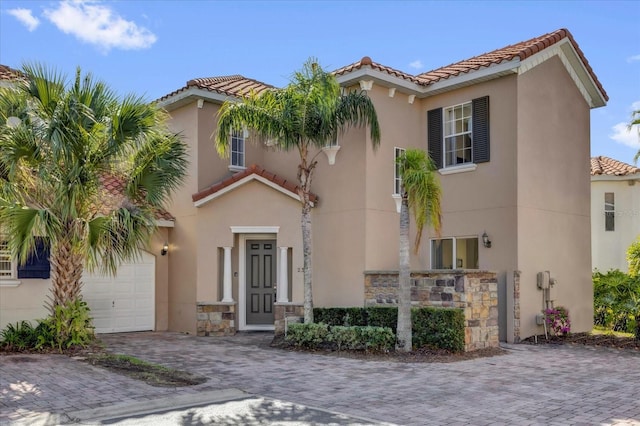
{"x": 70, "y": 325}
{"x": 18, "y": 337}
{"x": 341, "y": 337}
{"x": 433, "y": 327}
{"x": 616, "y": 299}
{"x": 441, "y": 328}
{"x": 307, "y": 335}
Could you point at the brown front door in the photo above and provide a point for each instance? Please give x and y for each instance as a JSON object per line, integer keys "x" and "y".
{"x": 261, "y": 281}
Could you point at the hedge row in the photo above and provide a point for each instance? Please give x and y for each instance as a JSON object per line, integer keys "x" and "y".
{"x": 343, "y": 338}
{"x": 441, "y": 328}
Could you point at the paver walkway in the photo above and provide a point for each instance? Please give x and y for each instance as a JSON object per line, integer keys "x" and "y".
{"x": 560, "y": 385}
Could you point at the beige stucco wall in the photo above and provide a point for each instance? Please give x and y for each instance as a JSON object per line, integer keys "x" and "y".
{"x": 23, "y": 302}
{"x": 608, "y": 248}
{"x": 553, "y": 194}
{"x": 253, "y": 204}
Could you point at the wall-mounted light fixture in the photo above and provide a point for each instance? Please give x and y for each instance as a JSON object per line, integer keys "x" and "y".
{"x": 165, "y": 249}
{"x": 485, "y": 240}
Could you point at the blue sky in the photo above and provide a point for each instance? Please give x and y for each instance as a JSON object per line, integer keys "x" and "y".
{"x": 153, "y": 47}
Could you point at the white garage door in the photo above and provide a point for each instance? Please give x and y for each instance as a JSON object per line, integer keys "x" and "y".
{"x": 125, "y": 302}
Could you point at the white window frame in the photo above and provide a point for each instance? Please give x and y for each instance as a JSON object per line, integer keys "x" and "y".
{"x": 8, "y": 277}
{"x": 397, "y": 180}
{"x": 454, "y": 241}
{"x": 238, "y": 136}
{"x": 610, "y": 211}
{"x": 449, "y": 132}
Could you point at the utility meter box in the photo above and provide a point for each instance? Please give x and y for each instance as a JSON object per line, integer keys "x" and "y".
{"x": 543, "y": 280}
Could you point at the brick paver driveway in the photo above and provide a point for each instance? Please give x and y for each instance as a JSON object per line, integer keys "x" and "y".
{"x": 530, "y": 385}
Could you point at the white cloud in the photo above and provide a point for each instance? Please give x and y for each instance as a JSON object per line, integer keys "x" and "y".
{"x": 624, "y": 136}
{"x": 635, "y": 106}
{"x": 417, "y": 64}
{"x": 25, "y": 17}
{"x": 98, "y": 24}
{"x": 633, "y": 58}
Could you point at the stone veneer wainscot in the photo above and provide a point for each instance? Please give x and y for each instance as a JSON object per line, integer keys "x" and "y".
{"x": 475, "y": 292}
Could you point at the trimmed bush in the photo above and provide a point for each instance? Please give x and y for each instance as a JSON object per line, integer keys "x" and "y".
{"x": 341, "y": 337}
{"x": 439, "y": 328}
{"x": 307, "y": 335}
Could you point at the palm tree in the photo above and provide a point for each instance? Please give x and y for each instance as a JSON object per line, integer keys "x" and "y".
{"x": 305, "y": 116}
{"x": 59, "y": 141}
{"x": 421, "y": 194}
{"x": 635, "y": 121}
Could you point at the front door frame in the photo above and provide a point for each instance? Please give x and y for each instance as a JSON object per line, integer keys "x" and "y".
{"x": 251, "y": 233}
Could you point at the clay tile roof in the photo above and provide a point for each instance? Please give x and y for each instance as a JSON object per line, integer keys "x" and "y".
{"x": 366, "y": 61}
{"x": 521, "y": 50}
{"x": 115, "y": 195}
{"x": 9, "y": 74}
{"x": 253, "y": 169}
{"x": 610, "y": 167}
{"x": 232, "y": 85}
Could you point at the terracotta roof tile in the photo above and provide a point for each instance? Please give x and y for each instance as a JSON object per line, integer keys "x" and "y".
{"x": 253, "y": 169}
{"x": 9, "y": 74}
{"x": 366, "y": 61}
{"x": 114, "y": 196}
{"x": 232, "y": 85}
{"x": 610, "y": 167}
{"x": 521, "y": 50}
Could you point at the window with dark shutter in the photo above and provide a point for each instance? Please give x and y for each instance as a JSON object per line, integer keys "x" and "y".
{"x": 37, "y": 266}
{"x": 480, "y": 130}
{"x": 434, "y": 135}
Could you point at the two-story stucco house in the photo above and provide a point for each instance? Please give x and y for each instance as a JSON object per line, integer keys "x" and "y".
{"x": 615, "y": 212}
{"x": 509, "y": 132}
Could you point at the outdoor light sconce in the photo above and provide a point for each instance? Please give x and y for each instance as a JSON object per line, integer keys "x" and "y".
{"x": 165, "y": 249}
{"x": 485, "y": 240}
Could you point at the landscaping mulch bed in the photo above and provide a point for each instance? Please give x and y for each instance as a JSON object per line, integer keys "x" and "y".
{"x": 587, "y": 339}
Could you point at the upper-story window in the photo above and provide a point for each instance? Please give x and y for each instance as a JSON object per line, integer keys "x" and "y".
{"x": 397, "y": 179}
{"x": 237, "y": 149}
{"x": 458, "y": 135}
{"x": 609, "y": 211}
{"x": 7, "y": 266}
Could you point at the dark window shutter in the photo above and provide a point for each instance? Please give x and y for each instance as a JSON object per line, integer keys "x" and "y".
{"x": 37, "y": 265}
{"x": 434, "y": 135}
{"x": 480, "y": 111}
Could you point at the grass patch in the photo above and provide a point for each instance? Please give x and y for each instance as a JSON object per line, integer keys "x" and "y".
{"x": 150, "y": 373}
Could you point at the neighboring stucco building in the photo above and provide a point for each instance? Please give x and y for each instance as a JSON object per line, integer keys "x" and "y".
{"x": 510, "y": 133}
{"x": 615, "y": 212}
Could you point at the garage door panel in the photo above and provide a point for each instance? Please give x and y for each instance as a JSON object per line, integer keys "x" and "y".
{"x": 125, "y": 302}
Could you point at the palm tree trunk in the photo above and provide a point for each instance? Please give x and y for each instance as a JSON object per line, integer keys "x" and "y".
{"x": 403, "y": 332}
{"x": 66, "y": 274}
{"x": 308, "y": 270}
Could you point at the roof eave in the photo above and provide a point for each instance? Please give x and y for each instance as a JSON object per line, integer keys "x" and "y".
{"x": 621, "y": 178}
{"x": 190, "y": 94}
{"x": 473, "y": 77}
{"x": 365, "y": 72}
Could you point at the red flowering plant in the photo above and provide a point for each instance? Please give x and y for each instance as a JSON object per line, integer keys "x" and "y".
{"x": 557, "y": 320}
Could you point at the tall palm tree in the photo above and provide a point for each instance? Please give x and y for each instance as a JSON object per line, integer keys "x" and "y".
{"x": 305, "y": 116}
{"x": 635, "y": 121}
{"x": 421, "y": 195}
{"x": 59, "y": 141}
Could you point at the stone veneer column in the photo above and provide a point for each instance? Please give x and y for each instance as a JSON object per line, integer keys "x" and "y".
{"x": 227, "y": 294}
{"x": 283, "y": 282}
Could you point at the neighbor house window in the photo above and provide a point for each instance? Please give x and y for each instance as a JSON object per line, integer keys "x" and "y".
{"x": 7, "y": 267}
{"x": 609, "y": 211}
{"x": 454, "y": 253}
{"x": 458, "y": 135}
{"x": 237, "y": 149}
{"x": 397, "y": 180}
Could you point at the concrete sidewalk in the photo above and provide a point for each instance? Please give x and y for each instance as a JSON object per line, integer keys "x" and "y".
{"x": 530, "y": 385}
